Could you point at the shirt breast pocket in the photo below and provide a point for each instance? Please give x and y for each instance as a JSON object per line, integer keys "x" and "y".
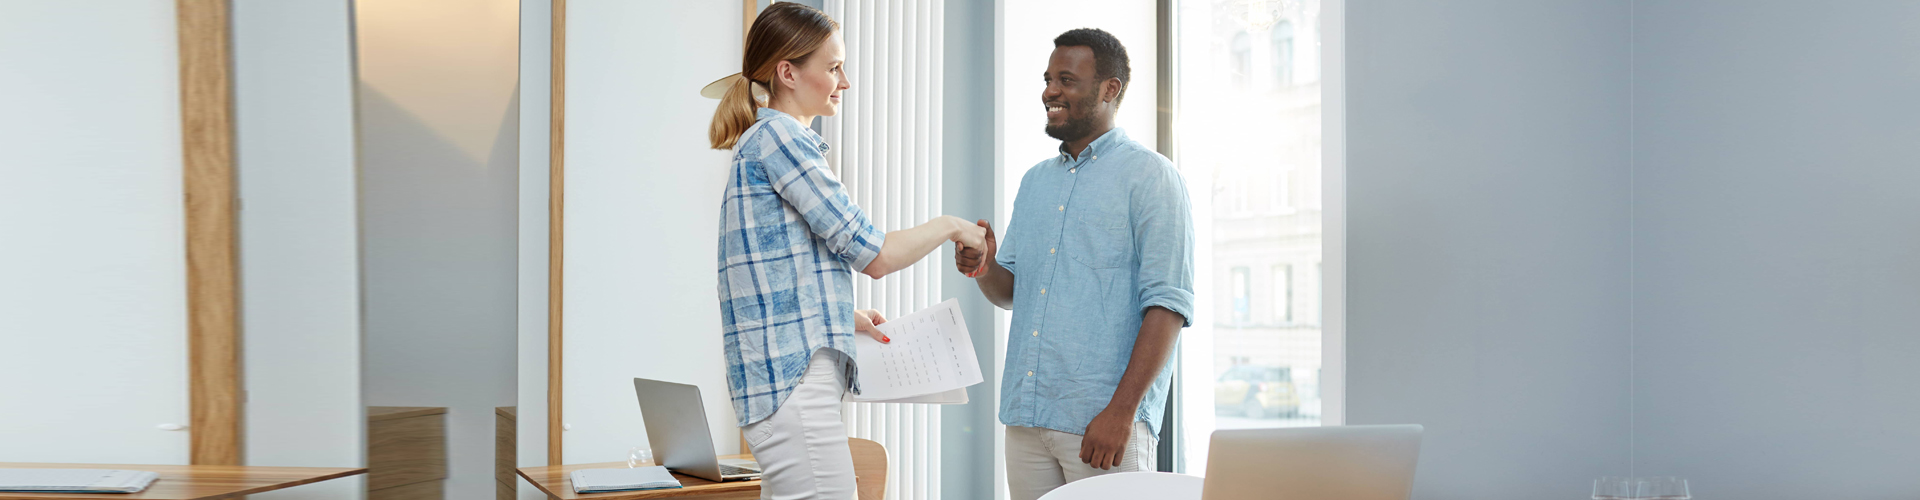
{"x": 1098, "y": 240}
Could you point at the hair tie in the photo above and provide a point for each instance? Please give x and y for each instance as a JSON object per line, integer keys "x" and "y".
{"x": 718, "y": 89}
{"x": 759, "y": 92}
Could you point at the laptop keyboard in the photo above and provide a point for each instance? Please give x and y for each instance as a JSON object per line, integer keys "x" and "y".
{"x": 729, "y": 470}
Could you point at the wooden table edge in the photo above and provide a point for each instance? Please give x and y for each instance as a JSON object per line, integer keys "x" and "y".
{"x": 311, "y": 480}
{"x": 721, "y": 488}
{"x": 336, "y": 473}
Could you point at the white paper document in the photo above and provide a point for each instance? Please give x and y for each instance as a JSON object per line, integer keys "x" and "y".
{"x": 930, "y": 359}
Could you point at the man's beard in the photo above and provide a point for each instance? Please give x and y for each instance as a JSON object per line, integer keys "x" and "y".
{"x": 1076, "y": 128}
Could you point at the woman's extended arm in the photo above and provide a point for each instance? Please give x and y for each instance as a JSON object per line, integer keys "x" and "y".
{"x": 904, "y": 247}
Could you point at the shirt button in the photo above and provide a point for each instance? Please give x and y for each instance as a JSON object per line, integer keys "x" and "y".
{"x": 1096, "y": 157}
{"x": 1036, "y": 333}
{"x": 1051, "y": 250}
{"x": 1029, "y": 373}
{"x": 1063, "y": 208}
{"x": 1043, "y": 291}
{"x": 1072, "y": 170}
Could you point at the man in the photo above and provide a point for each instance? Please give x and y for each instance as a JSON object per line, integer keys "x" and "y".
{"x": 1098, "y": 270}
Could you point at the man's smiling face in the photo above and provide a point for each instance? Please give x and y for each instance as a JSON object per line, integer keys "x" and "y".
{"x": 1072, "y": 94}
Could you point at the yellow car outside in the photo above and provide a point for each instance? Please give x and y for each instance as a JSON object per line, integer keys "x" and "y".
{"x": 1256, "y": 392}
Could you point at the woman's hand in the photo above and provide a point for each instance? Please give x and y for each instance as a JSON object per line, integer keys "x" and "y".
{"x": 967, "y": 234}
{"x": 972, "y": 261}
{"x": 864, "y": 321}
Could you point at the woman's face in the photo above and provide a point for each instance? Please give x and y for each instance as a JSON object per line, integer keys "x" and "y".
{"x": 818, "y": 81}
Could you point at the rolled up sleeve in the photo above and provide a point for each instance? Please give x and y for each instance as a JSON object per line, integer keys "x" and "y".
{"x": 801, "y": 177}
{"x": 1163, "y": 238}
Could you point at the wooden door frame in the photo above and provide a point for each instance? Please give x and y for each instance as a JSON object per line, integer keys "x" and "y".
{"x": 556, "y": 224}
{"x": 213, "y": 301}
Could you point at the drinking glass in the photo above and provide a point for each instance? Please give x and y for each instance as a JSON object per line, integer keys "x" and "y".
{"x": 638, "y": 455}
{"x": 1612, "y": 488}
{"x": 1662, "y": 488}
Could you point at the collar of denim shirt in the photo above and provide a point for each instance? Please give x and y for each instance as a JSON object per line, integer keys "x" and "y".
{"x": 1113, "y": 138}
{"x": 765, "y": 113}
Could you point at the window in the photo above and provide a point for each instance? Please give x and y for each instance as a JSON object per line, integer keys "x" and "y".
{"x": 1282, "y": 36}
{"x": 1242, "y": 296}
{"x": 1249, "y": 117}
{"x": 1282, "y": 197}
{"x": 1241, "y": 66}
{"x": 1283, "y": 293}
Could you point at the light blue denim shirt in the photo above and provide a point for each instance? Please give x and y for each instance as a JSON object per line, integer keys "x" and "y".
{"x": 790, "y": 241}
{"x": 1093, "y": 243}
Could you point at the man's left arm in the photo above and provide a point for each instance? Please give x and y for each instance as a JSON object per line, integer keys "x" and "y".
{"x": 1163, "y": 239}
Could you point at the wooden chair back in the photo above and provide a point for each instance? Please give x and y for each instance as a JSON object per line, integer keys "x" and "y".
{"x": 869, "y": 468}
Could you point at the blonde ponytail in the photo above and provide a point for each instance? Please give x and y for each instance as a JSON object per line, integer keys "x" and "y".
{"x": 785, "y": 31}
{"x": 736, "y": 113}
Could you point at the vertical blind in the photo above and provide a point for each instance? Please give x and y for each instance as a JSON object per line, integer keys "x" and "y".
{"x": 887, "y": 151}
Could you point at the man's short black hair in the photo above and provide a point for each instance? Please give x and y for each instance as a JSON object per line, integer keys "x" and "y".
{"x": 1109, "y": 57}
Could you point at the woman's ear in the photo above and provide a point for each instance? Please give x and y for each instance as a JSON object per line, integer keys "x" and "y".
{"x": 786, "y": 75}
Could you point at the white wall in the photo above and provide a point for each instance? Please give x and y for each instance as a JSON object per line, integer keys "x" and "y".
{"x": 1488, "y": 200}
{"x": 536, "y": 50}
{"x": 1775, "y": 247}
{"x": 299, "y": 239}
{"x": 439, "y": 155}
{"x": 93, "y": 271}
{"x": 643, "y": 205}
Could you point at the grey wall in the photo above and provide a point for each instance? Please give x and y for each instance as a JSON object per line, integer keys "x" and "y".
{"x": 1488, "y": 245}
{"x": 1638, "y": 238}
{"x": 966, "y": 435}
{"x": 1776, "y": 248}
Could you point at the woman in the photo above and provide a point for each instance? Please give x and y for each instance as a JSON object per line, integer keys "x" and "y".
{"x": 790, "y": 241}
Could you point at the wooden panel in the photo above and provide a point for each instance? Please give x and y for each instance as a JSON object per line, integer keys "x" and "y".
{"x": 424, "y": 490}
{"x": 192, "y": 482}
{"x": 556, "y": 225}
{"x": 748, "y": 10}
{"x": 378, "y": 413}
{"x": 504, "y": 454}
{"x": 406, "y": 450}
{"x": 213, "y": 327}
{"x": 869, "y": 468}
{"x": 557, "y": 483}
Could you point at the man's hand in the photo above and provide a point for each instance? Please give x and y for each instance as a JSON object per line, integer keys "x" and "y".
{"x": 864, "y": 321}
{"x": 1106, "y": 440}
{"x": 972, "y": 261}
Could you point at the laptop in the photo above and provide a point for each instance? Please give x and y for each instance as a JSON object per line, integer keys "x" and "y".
{"x": 677, "y": 431}
{"x": 1360, "y": 462}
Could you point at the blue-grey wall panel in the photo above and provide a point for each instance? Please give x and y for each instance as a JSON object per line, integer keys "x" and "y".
{"x": 1489, "y": 220}
{"x": 1777, "y": 247}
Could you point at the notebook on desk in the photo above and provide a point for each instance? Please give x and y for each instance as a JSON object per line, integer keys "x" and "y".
{"x": 75, "y": 480}
{"x": 638, "y": 478}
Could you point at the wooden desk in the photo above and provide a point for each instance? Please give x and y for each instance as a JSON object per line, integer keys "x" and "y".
{"x": 557, "y": 481}
{"x": 192, "y": 482}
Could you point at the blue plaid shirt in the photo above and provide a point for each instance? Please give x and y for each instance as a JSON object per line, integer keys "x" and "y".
{"x": 790, "y": 241}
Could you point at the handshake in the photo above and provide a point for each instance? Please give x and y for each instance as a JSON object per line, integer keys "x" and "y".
{"x": 974, "y": 247}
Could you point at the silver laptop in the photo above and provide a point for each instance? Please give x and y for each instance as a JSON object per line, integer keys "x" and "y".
{"x": 1361, "y": 462}
{"x": 677, "y": 431}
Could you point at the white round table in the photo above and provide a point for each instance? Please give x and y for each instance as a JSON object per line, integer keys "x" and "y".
{"x": 1131, "y": 485}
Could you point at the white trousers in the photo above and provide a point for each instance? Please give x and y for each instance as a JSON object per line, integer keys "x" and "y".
{"x": 802, "y": 447}
{"x": 1039, "y": 460}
